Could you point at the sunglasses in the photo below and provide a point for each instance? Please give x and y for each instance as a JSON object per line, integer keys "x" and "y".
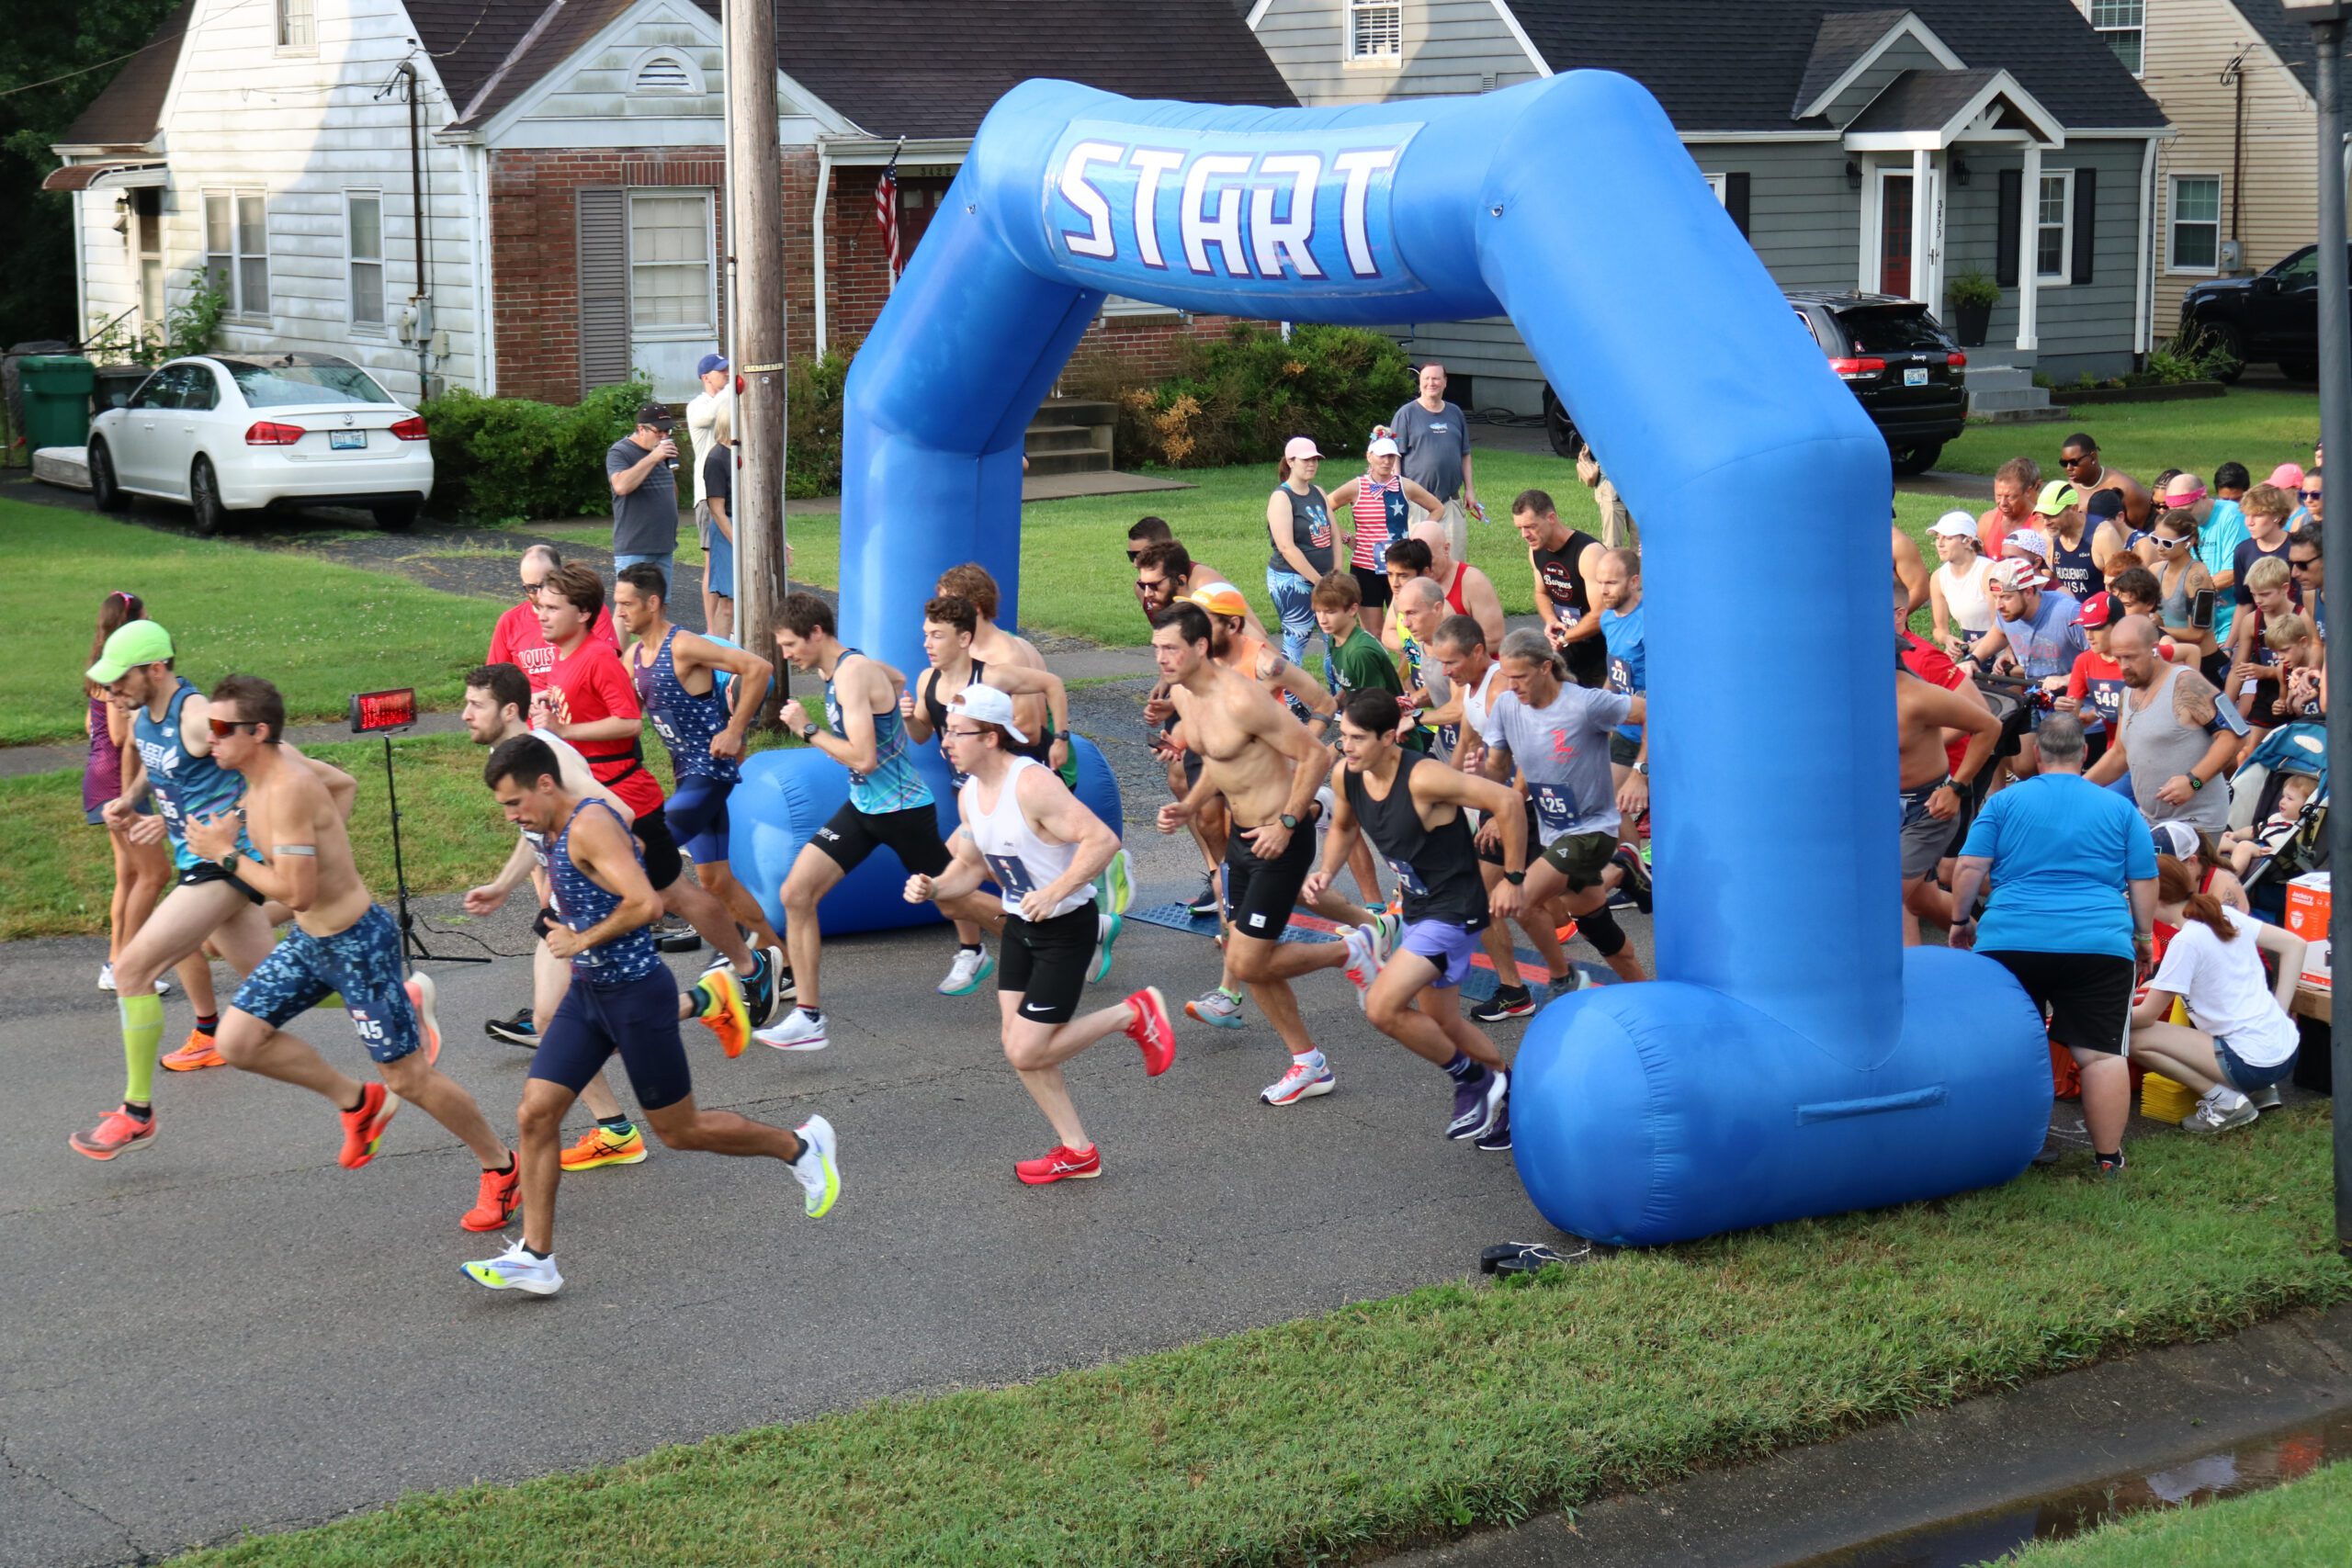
{"x": 2163, "y": 543}
{"x": 1134, "y": 556}
{"x": 1143, "y": 584}
{"x": 2294, "y": 565}
{"x": 230, "y": 726}
{"x": 2311, "y": 495}
{"x": 2072, "y": 462}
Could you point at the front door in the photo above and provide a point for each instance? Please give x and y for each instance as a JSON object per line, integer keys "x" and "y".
{"x": 1895, "y": 235}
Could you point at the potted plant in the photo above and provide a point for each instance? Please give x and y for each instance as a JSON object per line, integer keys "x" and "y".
{"x": 1972, "y": 297}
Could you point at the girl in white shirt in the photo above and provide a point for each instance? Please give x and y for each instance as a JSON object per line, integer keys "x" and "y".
{"x": 1959, "y": 594}
{"x": 2240, "y": 1039}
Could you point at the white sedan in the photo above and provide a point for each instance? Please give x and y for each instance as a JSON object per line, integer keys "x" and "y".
{"x": 228, "y": 434}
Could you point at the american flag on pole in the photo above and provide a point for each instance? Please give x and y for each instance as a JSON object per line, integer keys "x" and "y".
{"x": 886, "y": 213}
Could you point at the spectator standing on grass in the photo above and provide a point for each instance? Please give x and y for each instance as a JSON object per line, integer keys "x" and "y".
{"x": 2016, "y": 483}
{"x": 714, "y": 483}
{"x": 2239, "y": 1040}
{"x": 717, "y": 395}
{"x": 515, "y": 639}
{"x": 641, "y": 468}
{"x": 2072, "y": 916}
{"x": 1378, "y": 504}
{"x": 1298, "y": 517}
{"x": 1435, "y": 435}
{"x": 1618, "y": 529}
{"x": 2174, "y": 736}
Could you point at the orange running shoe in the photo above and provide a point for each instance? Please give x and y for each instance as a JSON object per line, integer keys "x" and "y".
{"x": 500, "y": 1196}
{"x": 117, "y": 1130}
{"x": 364, "y": 1128}
{"x": 200, "y": 1051}
{"x": 422, "y": 994}
{"x": 597, "y": 1148}
{"x": 723, "y": 1008}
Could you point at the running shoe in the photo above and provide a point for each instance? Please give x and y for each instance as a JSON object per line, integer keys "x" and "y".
{"x": 1478, "y": 1105}
{"x": 117, "y": 1131}
{"x": 498, "y": 1198}
{"x": 163, "y": 988}
{"x": 200, "y": 1051}
{"x": 1637, "y": 875}
{"x": 1106, "y": 931}
{"x": 422, "y": 994}
{"x": 1152, "y": 1030}
{"x": 2266, "y": 1098}
{"x": 972, "y": 966}
{"x": 1305, "y": 1079}
{"x": 1208, "y": 901}
{"x": 1496, "y": 1140}
{"x": 1216, "y": 1006}
{"x": 1563, "y": 984}
{"x": 597, "y": 1148}
{"x": 1507, "y": 1002}
{"x": 818, "y": 1168}
{"x": 363, "y": 1129}
{"x": 2220, "y": 1110}
{"x": 782, "y": 987}
{"x": 1118, "y": 884}
{"x": 722, "y": 1008}
{"x": 674, "y": 933}
{"x": 516, "y": 1270}
{"x": 2112, "y": 1165}
{"x": 517, "y": 1030}
{"x": 1387, "y": 930}
{"x": 759, "y": 989}
{"x": 1060, "y": 1164}
{"x": 798, "y": 1032}
{"x": 1363, "y": 961}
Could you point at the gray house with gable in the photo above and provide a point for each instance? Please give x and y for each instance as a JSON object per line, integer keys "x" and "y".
{"x": 1881, "y": 149}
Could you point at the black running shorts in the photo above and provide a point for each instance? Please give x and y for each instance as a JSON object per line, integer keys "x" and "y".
{"x": 1044, "y": 963}
{"x": 663, "y": 865}
{"x": 1534, "y": 842}
{"x": 911, "y": 834}
{"x": 2086, "y": 995}
{"x": 206, "y": 871}
{"x": 1261, "y": 893}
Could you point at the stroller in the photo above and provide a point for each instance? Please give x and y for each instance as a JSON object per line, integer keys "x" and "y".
{"x": 2253, "y": 796}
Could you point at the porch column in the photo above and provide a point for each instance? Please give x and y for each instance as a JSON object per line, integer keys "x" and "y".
{"x": 2029, "y": 273}
{"x": 1925, "y": 231}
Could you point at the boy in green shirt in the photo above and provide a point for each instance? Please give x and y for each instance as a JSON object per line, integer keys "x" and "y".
{"x": 1359, "y": 662}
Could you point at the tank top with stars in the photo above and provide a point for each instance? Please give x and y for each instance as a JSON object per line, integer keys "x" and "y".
{"x": 685, "y": 722}
{"x": 580, "y": 904}
{"x": 184, "y": 787}
{"x": 892, "y": 784}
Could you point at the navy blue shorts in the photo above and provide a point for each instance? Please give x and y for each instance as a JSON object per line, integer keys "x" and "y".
{"x": 362, "y": 960}
{"x": 636, "y": 1018}
{"x": 697, "y": 816}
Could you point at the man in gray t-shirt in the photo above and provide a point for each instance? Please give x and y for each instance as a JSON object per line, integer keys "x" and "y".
{"x": 2174, "y": 735}
{"x": 641, "y": 468}
{"x": 1436, "y": 440}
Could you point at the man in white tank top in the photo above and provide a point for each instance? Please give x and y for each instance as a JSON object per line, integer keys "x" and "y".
{"x": 1026, "y": 832}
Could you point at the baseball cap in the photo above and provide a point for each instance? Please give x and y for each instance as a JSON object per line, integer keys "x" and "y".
{"x": 1299, "y": 446}
{"x": 1954, "y": 525}
{"x": 2097, "y": 611}
{"x": 655, "y": 415}
{"x": 2177, "y": 839}
{"x": 2105, "y": 504}
{"x": 133, "y": 643}
{"x": 1386, "y": 446}
{"x": 2019, "y": 576}
{"x": 2056, "y": 496}
{"x": 708, "y": 363}
{"x": 1220, "y": 599}
{"x": 986, "y": 704}
{"x": 2287, "y": 476}
{"x": 2025, "y": 541}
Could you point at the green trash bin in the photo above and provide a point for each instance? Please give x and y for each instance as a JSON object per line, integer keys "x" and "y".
{"x": 57, "y": 398}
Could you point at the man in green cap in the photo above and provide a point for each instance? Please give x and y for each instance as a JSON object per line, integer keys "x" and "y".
{"x": 171, "y": 759}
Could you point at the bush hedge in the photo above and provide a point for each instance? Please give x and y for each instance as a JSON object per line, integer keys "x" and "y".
{"x": 1238, "y": 397}
{"x": 511, "y": 459}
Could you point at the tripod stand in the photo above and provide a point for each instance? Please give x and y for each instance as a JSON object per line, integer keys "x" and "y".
{"x": 412, "y": 945}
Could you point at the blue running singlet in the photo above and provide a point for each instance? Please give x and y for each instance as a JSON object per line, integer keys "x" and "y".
{"x": 580, "y": 904}
{"x": 685, "y": 722}
{"x": 893, "y": 785}
{"x": 184, "y": 787}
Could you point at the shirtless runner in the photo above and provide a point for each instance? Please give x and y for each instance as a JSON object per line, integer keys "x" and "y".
{"x": 1932, "y": 789}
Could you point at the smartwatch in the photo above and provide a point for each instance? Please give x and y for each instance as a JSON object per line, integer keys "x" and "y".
{"x": 809, "y": 733}
{"x": 227, "y": 863}
{"x": 1515, "y": 878}
{"x": 2193, "y": 782}
{"x": 1642, "y": 768}
{"x": 1290, "y": 823}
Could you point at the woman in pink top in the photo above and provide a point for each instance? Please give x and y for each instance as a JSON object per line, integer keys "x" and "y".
{"x": 1378, "y": 504}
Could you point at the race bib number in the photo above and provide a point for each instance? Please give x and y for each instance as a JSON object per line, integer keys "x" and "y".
{"x": 1554, "y": 806}
{"x": 1621, "y": 677}
{"x": 1407, "y": 877}
{"x": 1011, "y": 875}
{"x": 662, "y": 727}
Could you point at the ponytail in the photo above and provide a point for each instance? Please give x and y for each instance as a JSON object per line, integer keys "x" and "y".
{"x": 2175, "y": 883}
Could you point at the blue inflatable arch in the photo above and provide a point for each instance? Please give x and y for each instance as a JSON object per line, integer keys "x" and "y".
{"x": 1793, "y": 1059}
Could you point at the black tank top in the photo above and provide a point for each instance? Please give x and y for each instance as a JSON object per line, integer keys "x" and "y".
{"x": 1437, "y": 867}
{"x": 1562, "y": 575}
{"x": 936, "y": 706}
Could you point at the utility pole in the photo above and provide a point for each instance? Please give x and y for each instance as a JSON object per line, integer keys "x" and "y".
{"x": 755, "y": 201}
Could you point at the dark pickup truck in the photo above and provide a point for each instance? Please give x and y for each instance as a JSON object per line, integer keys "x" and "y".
{"x": 2271, "y": 318}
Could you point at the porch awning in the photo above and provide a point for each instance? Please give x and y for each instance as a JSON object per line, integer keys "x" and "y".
{"x": 109, "y": 173}
{"x": 1931, "y": 110}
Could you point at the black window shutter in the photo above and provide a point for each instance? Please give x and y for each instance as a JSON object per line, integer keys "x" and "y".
{"x": 2085, "y": 221}
{"x": 604, "y": 287}
{"x": 2005, "y": 248}
{"x": 1735, "y": 200}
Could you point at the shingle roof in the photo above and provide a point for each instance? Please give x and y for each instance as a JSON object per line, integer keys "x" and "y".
{"x": 469, "y": 37}
{"x": 1843, "y": 38}
{"x": 127, "y": 110}
{"x": 1737, "y": 65}
{"x": 2288, "y": 39}
{"x": 1921, "y": 100}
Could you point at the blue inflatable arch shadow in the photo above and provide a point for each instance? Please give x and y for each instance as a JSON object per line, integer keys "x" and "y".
{"x": 1793, "y": 1059}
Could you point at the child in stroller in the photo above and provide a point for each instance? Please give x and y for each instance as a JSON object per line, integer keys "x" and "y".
{"x": 2250, "y": 846}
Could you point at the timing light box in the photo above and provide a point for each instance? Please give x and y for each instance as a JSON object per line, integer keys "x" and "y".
{"x": 2307, "y": 911}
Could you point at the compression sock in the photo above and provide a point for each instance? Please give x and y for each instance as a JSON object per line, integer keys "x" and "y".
{"x": 968, "y": 947}
{"x": 142, "y": 1111}
{"x": 618, "y": 1126}
{"x": 207, "y": 1023}
{"x": 534, "y": 1252}
{"x": 142, "y": 1036}
{"x": 1461, "y": 1069}
{"x": 1232, "y": 991}
{"x": 1600, "y": 929}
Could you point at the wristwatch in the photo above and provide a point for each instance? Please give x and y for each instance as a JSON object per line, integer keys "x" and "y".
{"x": 227, "y": 863}
{"x": 2193, "y": 782}
{"x": 1290, "y": 823}
{"x": 809, "y": 733}
{"x": 1642, "y": 768}
{"x": 1514, "y": 877}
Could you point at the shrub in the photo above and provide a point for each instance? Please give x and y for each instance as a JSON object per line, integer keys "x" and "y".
{"x": 812, "y": 433}
{"x": 508, "y": 459}
{"x": 1972, "y": 287}
{"x": 2189, "y": 355}
{"x": 1238, "y": 397}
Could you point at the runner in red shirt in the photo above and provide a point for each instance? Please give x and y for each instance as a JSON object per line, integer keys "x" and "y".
{"x": 515, "y": 639}
{"x": 2094, "y": 685}
{"x": 590, "y": 701}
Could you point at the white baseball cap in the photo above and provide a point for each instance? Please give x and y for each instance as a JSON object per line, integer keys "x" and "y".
{"x": 986, "y": 704}
{"x": 1385, "y": 447}
{"x": 1953, "y": 525}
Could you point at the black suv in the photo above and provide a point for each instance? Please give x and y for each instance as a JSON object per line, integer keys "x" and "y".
{"x": 1904, "y": 369}
{"x": 2271, "y": 318}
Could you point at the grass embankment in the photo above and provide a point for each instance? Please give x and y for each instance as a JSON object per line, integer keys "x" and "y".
{"x": 1454, "y": 1405}
{"x": 2305, "y": 1523}
{"x": 321, "y": 631}
{"x": 2255, "y": 426}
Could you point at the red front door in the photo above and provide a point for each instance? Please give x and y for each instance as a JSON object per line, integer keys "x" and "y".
{"x": 1895, "y": 235}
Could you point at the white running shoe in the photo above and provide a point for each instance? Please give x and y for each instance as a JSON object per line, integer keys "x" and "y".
{"x": 817, "y": 1169}
{"x": 422, "y": 996}
{"x": 1363, "y": 965}
{"x": 106, "y": 981}
{"x": 515, "y": 1270}
{"x": 1387, "y": 930}
{"x": 1307, "y": 1077}
{"x": 1216, "y": 1006}
{"x": 798, "y": 1032}
{"x": 972, "y": 966}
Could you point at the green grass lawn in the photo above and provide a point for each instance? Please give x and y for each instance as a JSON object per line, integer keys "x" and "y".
{"x": 1456, "y": 1405}
{"x": 321, "y": 632}
{"x": 2305, "y": 1523}
{"x": 2257, "y": 426}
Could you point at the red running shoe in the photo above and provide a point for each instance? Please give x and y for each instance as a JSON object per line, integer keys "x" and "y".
{"x": 117, "y": 1130}
{"x": 1060, "y": 1165}
{"x": 500, "y": 1196}
{"x": 364, "y": 1128}
{"x": 1152, "y": 1030}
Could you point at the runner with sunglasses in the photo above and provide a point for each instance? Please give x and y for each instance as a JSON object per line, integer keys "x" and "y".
{"x": 2078, "y": 459}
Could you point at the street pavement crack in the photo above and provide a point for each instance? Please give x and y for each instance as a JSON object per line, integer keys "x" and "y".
{"x": 16, "y": 1467}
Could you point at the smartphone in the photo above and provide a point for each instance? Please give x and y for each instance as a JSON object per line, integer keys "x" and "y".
{"x": 2200, "y": 610}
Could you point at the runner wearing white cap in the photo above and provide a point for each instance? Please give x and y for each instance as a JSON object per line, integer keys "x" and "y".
{"x": 1298, "y": 517}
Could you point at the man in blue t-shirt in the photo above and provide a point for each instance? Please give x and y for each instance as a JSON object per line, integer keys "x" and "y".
{"x": 1617, "y": 592}
{"x": 2034, "y": 637}
{"x": 2071, "y": 915}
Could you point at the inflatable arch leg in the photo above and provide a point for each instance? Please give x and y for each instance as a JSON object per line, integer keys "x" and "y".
{"x": 1792, "y": 1060}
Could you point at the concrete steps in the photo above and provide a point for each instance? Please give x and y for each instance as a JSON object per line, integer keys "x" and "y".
{"x": 1070, "y": 435}
{"x": 2005, "y": 394}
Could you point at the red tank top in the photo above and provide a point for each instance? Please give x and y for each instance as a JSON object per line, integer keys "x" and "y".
{"x": 1453, "y": 589}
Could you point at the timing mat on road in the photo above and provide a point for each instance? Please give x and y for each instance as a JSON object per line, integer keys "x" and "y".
{"x": 1308, "y": 926}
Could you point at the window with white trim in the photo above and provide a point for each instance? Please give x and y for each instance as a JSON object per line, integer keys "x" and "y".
{"x": 1721, "y": 186}
{"x": 297, "y": 26}
{"x": 1376, "y": 30}
{"x": 2194, "y": 214}
{"x": 363, "y": 249}
{"x": 2054, "y": 228}
{"x": 236, "y": 250}
{"x": 670, "y": 279}
{"x": 2124, "y": 25}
